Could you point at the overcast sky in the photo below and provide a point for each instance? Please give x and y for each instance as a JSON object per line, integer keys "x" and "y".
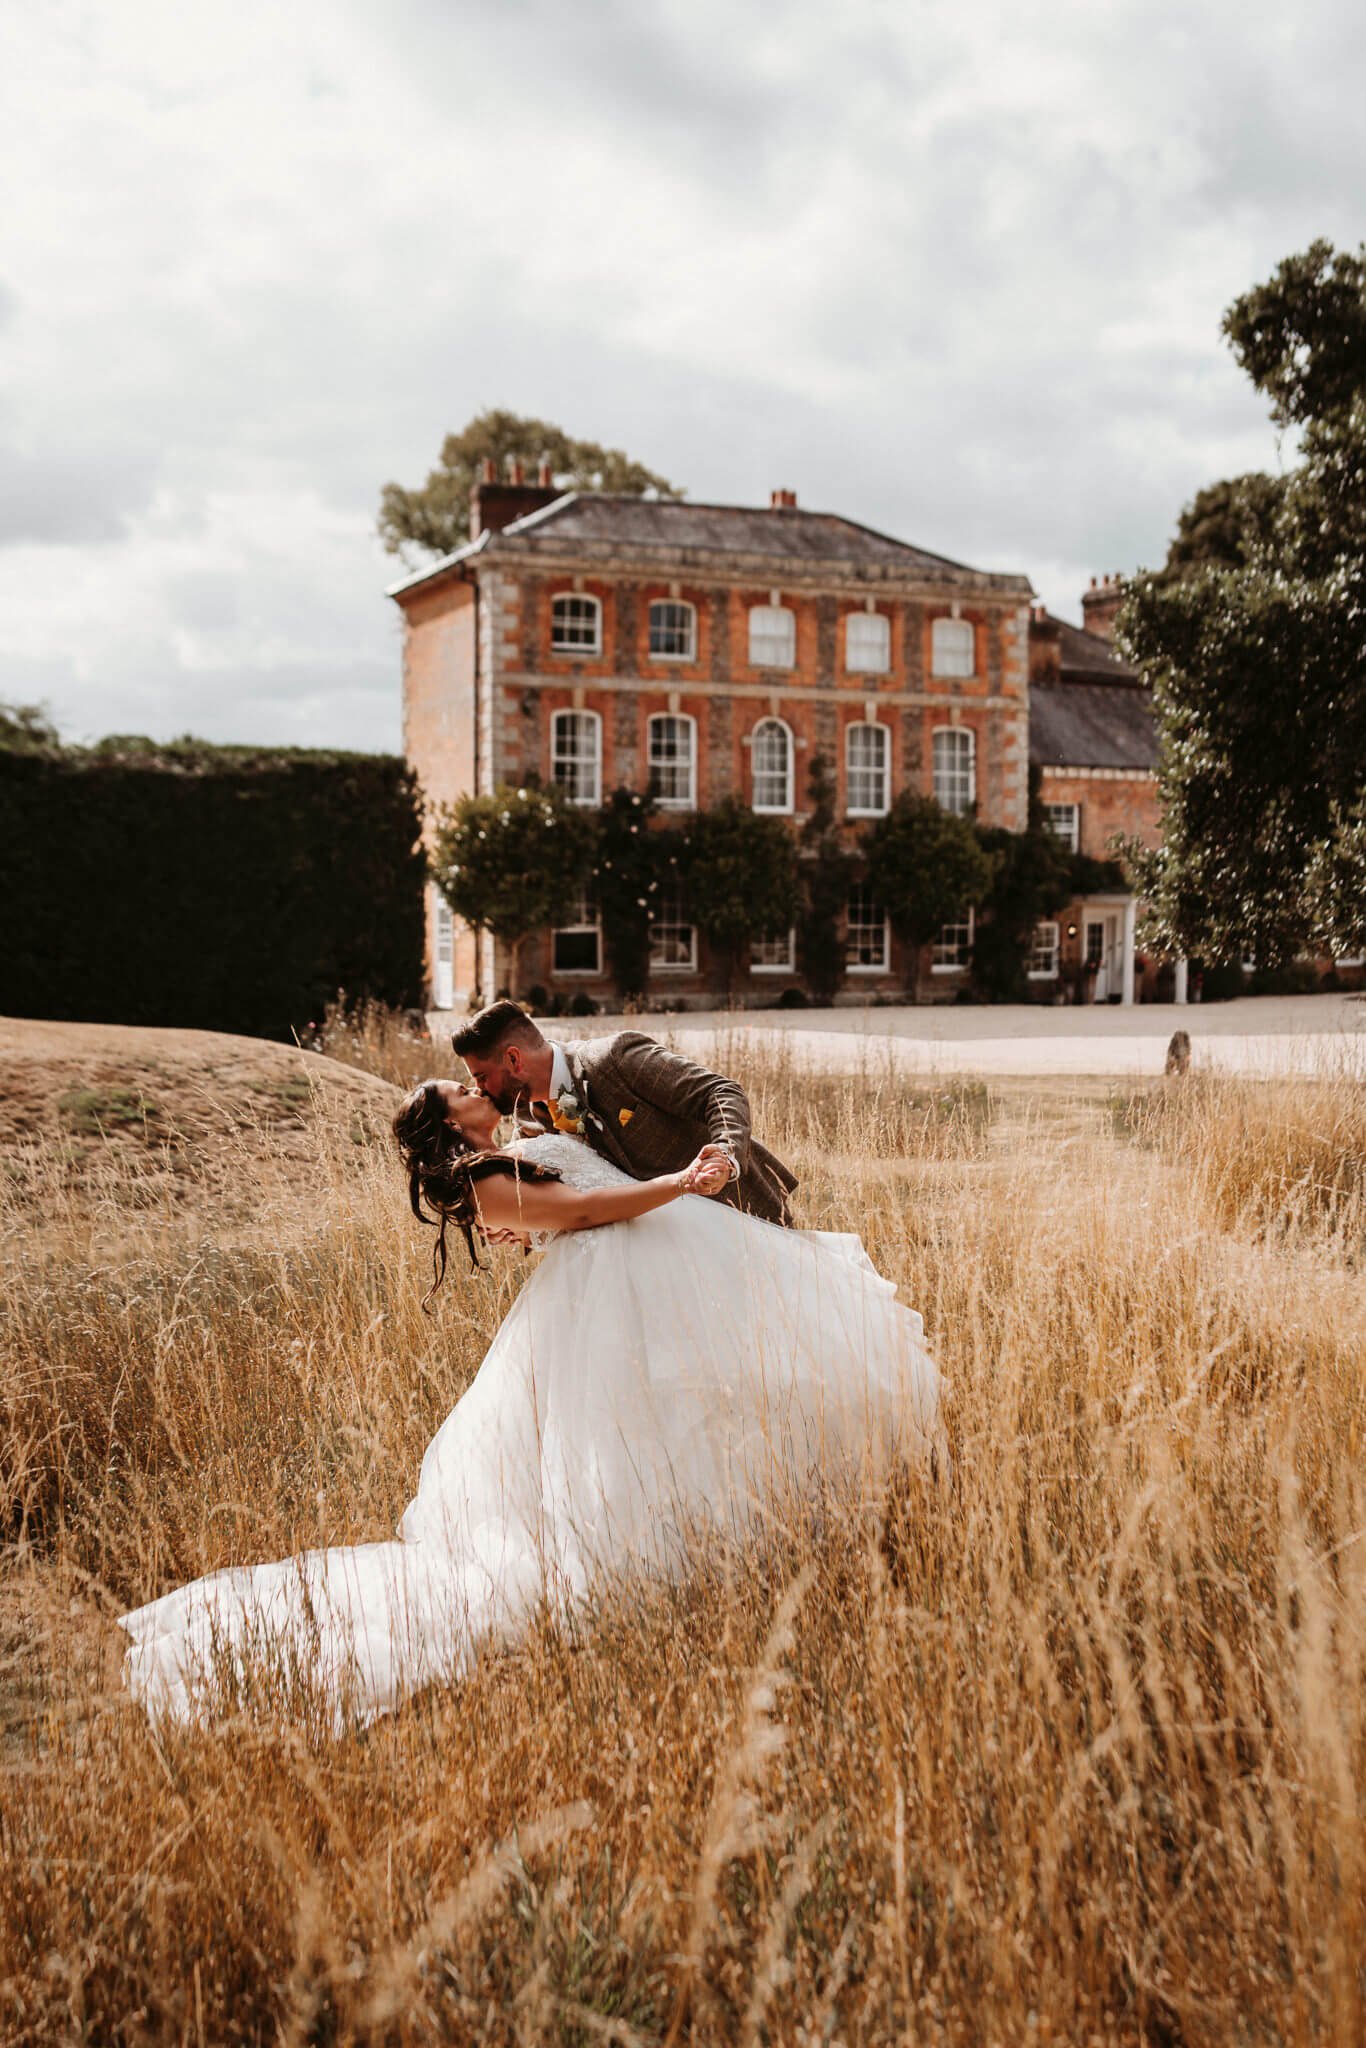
{"x": 954, "y": 269}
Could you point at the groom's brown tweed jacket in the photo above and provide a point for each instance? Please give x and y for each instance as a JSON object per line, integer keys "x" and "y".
{"x": 651, "y": 1111}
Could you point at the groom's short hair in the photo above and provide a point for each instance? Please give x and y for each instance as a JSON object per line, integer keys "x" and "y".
{"x": 498, "y": 1025}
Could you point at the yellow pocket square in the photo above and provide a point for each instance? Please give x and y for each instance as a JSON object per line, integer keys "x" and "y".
{"x": 624, "y": 1115}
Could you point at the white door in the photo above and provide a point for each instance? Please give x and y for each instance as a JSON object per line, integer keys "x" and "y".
{"x": 1104, "y": 937}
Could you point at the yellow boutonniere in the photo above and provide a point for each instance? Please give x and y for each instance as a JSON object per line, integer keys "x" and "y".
{"x": 624, "y": 1115}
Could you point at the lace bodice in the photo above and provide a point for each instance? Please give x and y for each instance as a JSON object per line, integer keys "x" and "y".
{"x": 577, "y": 1164}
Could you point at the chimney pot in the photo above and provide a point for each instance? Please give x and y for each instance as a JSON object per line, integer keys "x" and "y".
{"x": 488, "y": 471}
{"x": 543, "y": 475}
{"x": 518, "y": 470}
{"x": 1093, "y": 583}
{"x": 782, "y": 501}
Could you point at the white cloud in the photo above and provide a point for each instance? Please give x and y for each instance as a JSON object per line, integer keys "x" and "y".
{"x": 956, "y": 272}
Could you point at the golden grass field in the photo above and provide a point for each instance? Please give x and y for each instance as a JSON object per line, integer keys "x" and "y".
{"x": 1075, "y": 1752}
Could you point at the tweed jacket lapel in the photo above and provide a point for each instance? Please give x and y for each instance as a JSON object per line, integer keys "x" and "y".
{"x": 595, "y": 1094}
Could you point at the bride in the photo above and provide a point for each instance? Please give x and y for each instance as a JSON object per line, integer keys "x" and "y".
{"x": 671, "y": 1367}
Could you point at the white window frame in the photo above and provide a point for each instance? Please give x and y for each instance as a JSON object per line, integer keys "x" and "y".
{"x": 787, "y": 965}
{"x": 585, "y": 920}
{"x": 685, "y": 719}
{"x": 954, "y": 733}
{"x": 592, "y": 605}
{"x": 1071, "y": 835}
{"x": 953, "y": 648}
{"x": 880, "y": 810}
{"x": 671, "y": 901}
{"x": 773, "y": 621}
{"x": 960, "y": 948}
{"x": 675, "y": 604}
{"x": 862, "y": 895}
{"x": 443, "y": 953}
{"x": 867, "y": 664}
{"x": 559, "y": 757}
{"x": 784, "y": 809}
{"x": 1039, "y": 945}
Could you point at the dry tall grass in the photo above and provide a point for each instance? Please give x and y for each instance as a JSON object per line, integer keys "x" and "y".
{"x": 1075, "y": 1754}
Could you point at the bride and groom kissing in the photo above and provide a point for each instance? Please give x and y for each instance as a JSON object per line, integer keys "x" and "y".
{"x": 679, "y": 1361}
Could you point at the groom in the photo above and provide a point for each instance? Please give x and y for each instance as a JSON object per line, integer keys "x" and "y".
{"x": 647, "y": 1110}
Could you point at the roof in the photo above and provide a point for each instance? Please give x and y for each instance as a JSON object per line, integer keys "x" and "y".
{"x": 598, "y": 520}
{"x": 1086, "y": 654}
{"x": 1092, "y": 725}
{"x": 789, "y": 535}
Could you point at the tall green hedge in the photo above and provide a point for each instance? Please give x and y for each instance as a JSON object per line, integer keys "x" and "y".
{"x": 220, "y": 887}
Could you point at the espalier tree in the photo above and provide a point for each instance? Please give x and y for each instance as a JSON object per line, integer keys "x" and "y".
{"x": 436, "y": 516}
{"x": 1254, "y": 639}
{"x": 634, "y": 862}
{"x": 925, "y": 867}
{"x": 512, "y": 862}
{"x": 740, "y": 873}
{"x": 826, "y": 868}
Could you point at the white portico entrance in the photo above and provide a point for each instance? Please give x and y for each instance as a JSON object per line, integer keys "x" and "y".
{"x": 1107, "y": 948}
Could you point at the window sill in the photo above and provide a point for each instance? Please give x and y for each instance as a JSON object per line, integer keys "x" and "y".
{"x": 576, "y": 653}
{"x": 788, "y": 969}
{"x": 684, "y": 660}
{"x": 771, "y": 810}
{"x": 884, "y": 968}
{"x": 880, "y": 813}
{"x": 938, "y": 968}
{"x": 675, "y": 803}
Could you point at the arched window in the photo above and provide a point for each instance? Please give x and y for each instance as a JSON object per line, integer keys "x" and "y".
{"x": 772, "y": 636}
{"x": 575, "y": 624}
{"x": 772, "y": 765}
{"x": 868, "y": 643}
{"x": 867, "y": 770}
{"x": 955, "y": 769}
{"x": 576, "y": 755}
{"x": 952, "y": 648}
{"x": 673, "y": 631}
{"x": 673, "y": 760}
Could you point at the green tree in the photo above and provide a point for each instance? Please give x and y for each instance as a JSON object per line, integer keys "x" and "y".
{"x": 925, "y": 866}
{"x": 27, "y": 729}
{"x": 1225, "y": 525}
{"x": 740, "y": 876}
{"x": 1031, "y": 878}
{"x": 437, "y": 515}
{"x": 826, "y": 868}
{"x": 513, "y": 862}
{"x": 633, "y": 861}
{"x": 1258, "y": 667}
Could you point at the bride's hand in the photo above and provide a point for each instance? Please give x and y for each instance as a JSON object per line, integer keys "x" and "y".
{"x": 707, "y": 1175}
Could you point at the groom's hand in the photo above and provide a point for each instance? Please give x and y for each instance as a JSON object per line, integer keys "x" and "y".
{"x": 724, "y": 1159}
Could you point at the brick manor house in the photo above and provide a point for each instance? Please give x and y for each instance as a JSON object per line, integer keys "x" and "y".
{"x": 709, "y": 650}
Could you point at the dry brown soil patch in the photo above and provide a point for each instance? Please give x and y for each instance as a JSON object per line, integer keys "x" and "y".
{"x": 180, "y": 1125}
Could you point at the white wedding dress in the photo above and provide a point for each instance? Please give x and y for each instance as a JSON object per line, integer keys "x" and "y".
{"x": 678, "y": 1374}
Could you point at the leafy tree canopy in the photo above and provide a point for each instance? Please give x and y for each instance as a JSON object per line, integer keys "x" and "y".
{"x": 634, "y": 859}
{"x": 1225, "y": 525}
{"x": 827, "y": 867}
{"x": 27, "y": 729}
{"x": 1258, "y": 665}
{"x": 512, "y": 862}
{"x": 925, "y": 866}
{"x": 740, "y": 876}
{"x": 1032, "y": 877}
{"x": 437, "y": 516}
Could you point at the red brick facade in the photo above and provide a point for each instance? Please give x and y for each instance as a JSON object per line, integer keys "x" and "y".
{"x": 484, "y": 680}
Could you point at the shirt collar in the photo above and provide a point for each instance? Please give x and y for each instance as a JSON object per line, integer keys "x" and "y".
{"x": 561, "y": 1080}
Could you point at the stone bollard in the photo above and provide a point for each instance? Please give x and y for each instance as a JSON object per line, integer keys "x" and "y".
{"x": 1179, "y": 1053}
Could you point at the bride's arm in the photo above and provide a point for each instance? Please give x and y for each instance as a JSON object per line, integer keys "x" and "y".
{"x": 508, "y": 1203}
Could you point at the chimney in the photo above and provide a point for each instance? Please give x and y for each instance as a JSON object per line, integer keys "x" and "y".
{"x": 1100, "y": 604}
{"x": 494, "y": 505}
{"x": 782, "y": 501}
{"x": 1045, "y": 646}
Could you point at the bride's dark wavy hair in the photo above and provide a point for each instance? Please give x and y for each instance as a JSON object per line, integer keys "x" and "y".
{"x": 442, "y": 1168}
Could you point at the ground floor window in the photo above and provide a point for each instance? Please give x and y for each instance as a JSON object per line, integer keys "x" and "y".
{"x": 952, "y": 950}
{"x": 775, "y": 955}
{"x": 1043, "y": 952}
{"x": 868, "y": 943}
{"x": 576, "y": 947}
{"x": 443, "y": 977}
{"x": 673, "y": 937}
